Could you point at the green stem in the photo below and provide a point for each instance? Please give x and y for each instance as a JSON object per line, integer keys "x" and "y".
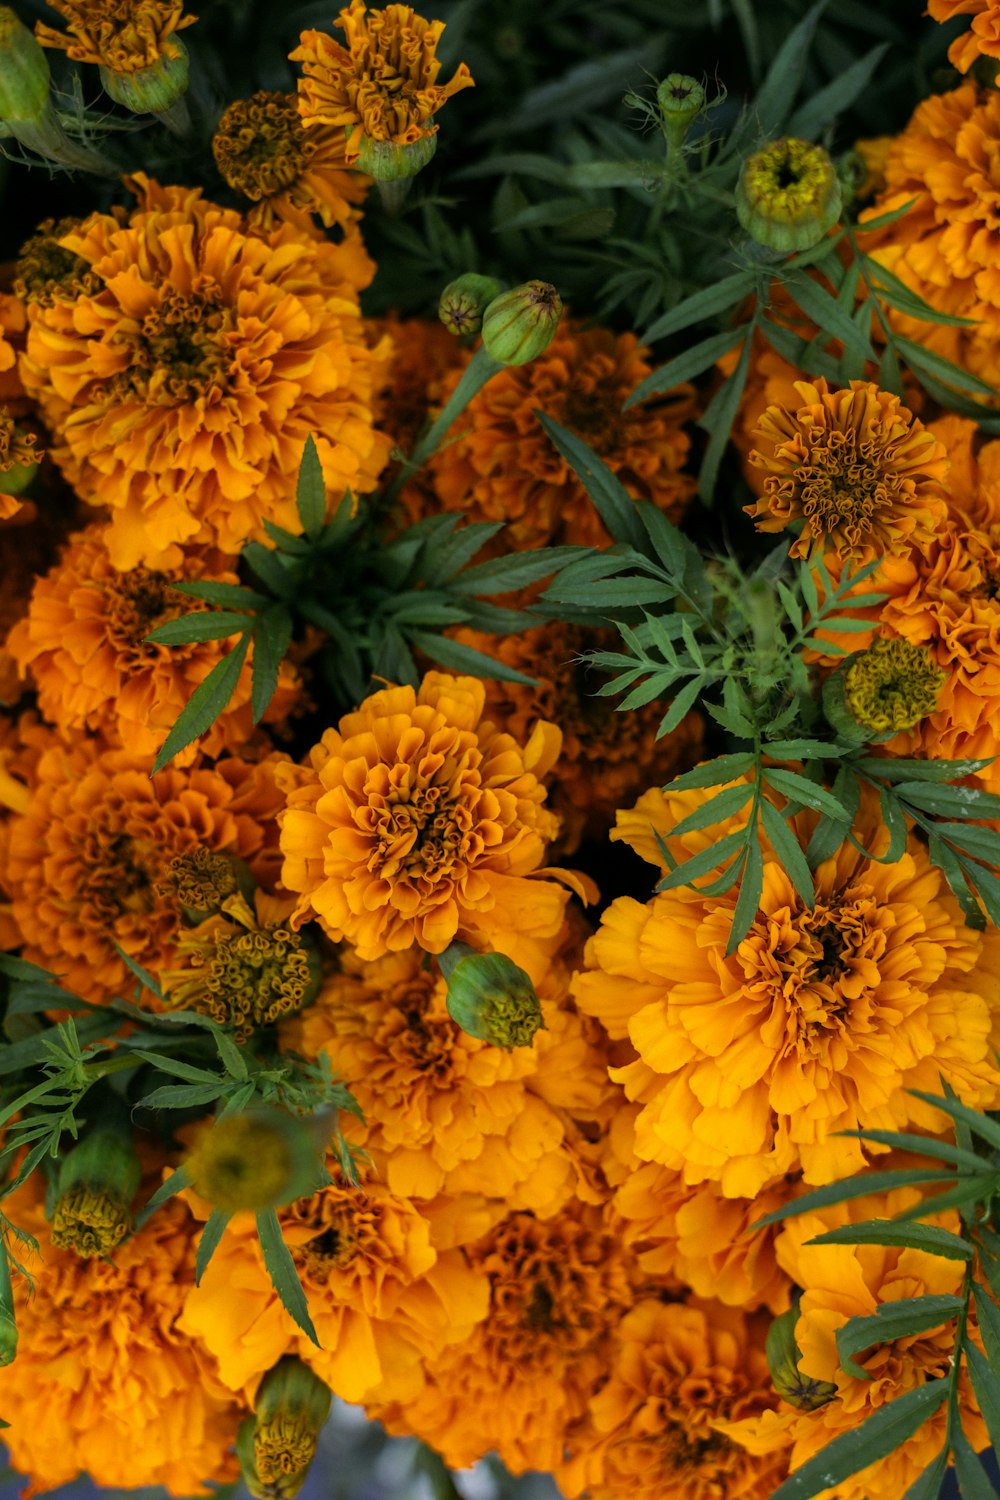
{"x": 481, "y": 368}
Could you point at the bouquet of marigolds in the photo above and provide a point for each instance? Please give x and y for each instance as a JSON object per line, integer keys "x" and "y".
{"x": 500, "y": 742}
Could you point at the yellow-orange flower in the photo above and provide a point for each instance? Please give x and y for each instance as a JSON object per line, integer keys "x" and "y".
{"x": 381, "y": 1297}
{"x": 18, "y": 450}
{"x": 416, "y": 822}
{"x": 982, "y": 39}
{"x": 83, "y": 640}
{"x": 104, "y": 1381}
{"x": 501, "y": 466}
{"x": 526, "y": 1372}
{"x": 607, "y": 757}
{"x": 652, "y": 1430}
{"x": 820, "y": 1021}
{"x": 264, "y": 151}
{"x": 183, "y": 389}
{"x": 383, "y": 84}
{"x": 860, "y": 474}
{"x": 89, "y": 856}
{"x": 451, "y": 1113}
{"x": 845, "y": 1281}
{"x": 45, "y": 270}
{"x": 13, "y": 323}
{"x": 124, "y": 36}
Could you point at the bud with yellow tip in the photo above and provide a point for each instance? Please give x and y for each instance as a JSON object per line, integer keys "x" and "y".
{"x": 783, "y": 1355}
{"x": 155, "y": 90}
{"x": 788, "y": 195}
{"x": 95, "y": 1186}
{"x": 258, "y": 1159}
{"x": 490, "y": 997}
{"x": 278, "y": 1443}
{"x": 521, "y": 324}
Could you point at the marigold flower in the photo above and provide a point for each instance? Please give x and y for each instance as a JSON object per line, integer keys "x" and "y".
{"x": 184, "y": 388}
{"x": 124, "y": 36}
{"x": 891, "y": 686}
{"x": 13, "y": 325}
{"x": 844, "y": 1281}
{"x": 104, "y": 1381}
{"x": 381, "y": 1297}
{"x": 450, "y": 1113}
{"x": 19, "y": 457}
{"x": 383, "y": 85}
{"x": 557, "y": 1287}
{"x": 94, "y": 1188}
{"x": 83, "y": 640}
{"x": 788, "y": 195}
{"x": 502, "y": 466}
{"x": 982, "y": 39}
{"x": 88, "y": 857}
{"x": 416, "y": 822}
{"x": 263, "y": 150}
{"x": 860, "y": 473}
{"x": 820, "y": 1021}
{"x": 46, "y": 270}
{"x": 607, "y": 757}
{"x": 679, "y": 1372}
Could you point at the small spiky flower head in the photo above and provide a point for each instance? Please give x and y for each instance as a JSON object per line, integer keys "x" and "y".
{"x": 788, "y": 195}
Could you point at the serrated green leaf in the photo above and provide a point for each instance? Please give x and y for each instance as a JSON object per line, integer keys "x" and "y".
{"x": 973, "y": 1481}
{"x": 942, "y": 855}
{"x": 612, "y": 501}
{"x": 899, "y": 1319}
{"x": 206, "y": 703}
{"x": 230, "y": 1055}
{"x": 986, "y": 1384}
{"x": 272, "y": 638}
{"x": 949, "y": 801}
{"x": 723, "y": 805}
{"x": 748, "y": 900}
{"x": 904, "y": 1140}
{"x": 178, "y": 1180}
{"x": 789, "y": 851}
{"x": 281, "y": 1269}
{"x": 267, "y": 565}
{"x": 890, "y": 289}
{"x": 827, "y": 314}
{"x": 719, "y": 416}
{"x": 505, "y": 575}
{"x": 713, "y": 772}
{"x": 980, "y": 1124}
{"x": 969, "y": 1190}
{"x": 928, "y": 1485}
{"x": 208, "y": 1241}
{"x": 460, "y": 658}
{"x": 181, "y": 1095}
{"x": 801, "y": 749}
{"x": 704, "y": 861}
{"x": 204, "y": 625}
{"x": 888, "y": 768}
{"x": 310, "y": 491}
{"x": 799, "y": 789}
{"x": 444, "y": 561}
{"x": 881, "y": 1434}
{"x": 784, "y": 76}
{"x": 686, "y": 365}
{"x": 179, "y": 1068}
{"x": 882, "y": 221}
{"x": 988, "y": 1318}
{"x": 718, "y": 297}
{"x": 144, "y": 977}
{"x": 222, "y": 593}
{"x": 923, "y": 360}
{"x": 288, "y": 541}
{"x": 972, "y": 839}
{"x": 820, "y": 108}
{"x": 860, "y": 1185}
{"x": 926, "y": 1237}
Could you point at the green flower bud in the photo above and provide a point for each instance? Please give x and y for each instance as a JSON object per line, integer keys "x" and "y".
{"x": 783, "y": 1355}
{"x": 490, "y": 997}
{"x": 24, "y": 72}
{"x": 881, "y": 691}
{"x": 788, "y": 195}
{"x": 464, "y": 301}
{"x": 258, "y": 1159}
{"x": 94, "y": 1190}
{"x": 681, "y": 99}
{"x": 278, "y": 1443}
{"x": 521, "y": 324}
{"x": 391, "y": 161}
{"x": 153, "y": 90}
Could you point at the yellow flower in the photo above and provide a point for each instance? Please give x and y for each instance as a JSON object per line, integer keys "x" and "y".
{"x": 383, "y": 85}
{"x": 125, "y": 36}
{"x": 982, "y": 39}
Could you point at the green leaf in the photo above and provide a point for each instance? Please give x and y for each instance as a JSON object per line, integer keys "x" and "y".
{"x": 452, "y": 654}
{"x": 611, "y": 499}
{"x": 826, "y": 312}
{"x": 208, "y": 1241}
{"x": 181, "y": 1095}
{"x": 281, "y": 1269}
{"x": 942, "y": 855}
{"x": 206, "y": 703}
{"x": 271, "y": 639}
{"x": 881, "y": 1434}
{"x": 789, "y": 851}
{"x": 928, "y": 1485}
{"x": 972, "y": 1478}
{"x": 683, "y": 701}
{"x": 748, "y": 900}
{"x": 986, "y": 1384}
{"x": 178, "y": 1180}
{"x": 820, "y": 108}
{"x": 920, "y": 1145}
{"x": 882, "y": 221}
{"x": 310, "y": 491}
{"x": 719, "y": 416}
{"x": 980, "y": 1124}
{"x": 799, "y": 789}
{"x": 949, "y": 801}
{"x": 505, "y": 575}
{"x": 205, "y": 625}
{"x": 861, "y": 1185}
{"x": 230, "y": 1055}
{"x": 144, "y": 977}
{"x": 981, "y": 843}
{"x": 892, "y": 1320}
{"x": 703, "y": 861}
{"x": 890, "y": 289}
{"x": 281, "y": 578}
{"x": 609, "y": 174}
{"x": 180, "y": 1069}
{"x": 686, "y": 365}
{"x": 888, "y": 768}
{"x": 714, "y": 772}
{"x": 926, "y": 1237}
{"x": 223, "y": 593}
{"x": 784, "y": 77}
{"x": 924, "y": 361}
{"x": 988, "y": 1318}
{"x": 709, "y": 302}
{"x": 803, "y": 750}
{"x": 968, "y": 1190}
{"x": 723, "y": 805}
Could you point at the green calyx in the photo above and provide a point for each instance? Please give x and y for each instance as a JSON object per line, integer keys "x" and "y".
{"x": 97, "y": 1181}
{"x": 783, "y": 1355}
{"x": 521, "y": 324}
{"x": 490, "y": 997}
{"x": 788, "y": 195}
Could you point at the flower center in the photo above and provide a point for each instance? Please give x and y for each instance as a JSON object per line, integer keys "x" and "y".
{"x": 136, "y": 603}
{"x": 91, "y": 1223}
{"x": 841, "y": 486}
{"x": 199, "y": 880}
{"x": 179, "y": 354}
{"x": 260, "y": 146}
{"x": 346, "y": 1225}
{"x": 892, "y": 685}
{"x": 46, "y": 271}
{"x": 592, "y": 406}
{"x": 422, "y": 834}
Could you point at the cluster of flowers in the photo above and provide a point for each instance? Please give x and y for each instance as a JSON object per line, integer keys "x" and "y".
{"x": 534, "y": 1236}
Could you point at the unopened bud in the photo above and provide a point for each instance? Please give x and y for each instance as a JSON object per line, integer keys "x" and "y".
{"x": 393, "y": 161}
{"x": 521, "y": 324}
{"x": 94, "y": 1191}
{"x": 153, "y": 90}
{"x": 681, "y": 98}
{"x": 788, "y": 195}
{"x": 490, "y": 997}
{"x": 464, "y": 301}
{"x": 883, "y": 690}
{"x": 783, "y": 1355}
{"x": 278, "y": 1443}
{"x": 256, "y": 1160}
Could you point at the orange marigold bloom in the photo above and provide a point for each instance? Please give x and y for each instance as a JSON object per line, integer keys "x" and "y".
{"x": 527, "y": 1371}
{"x": 502, "y": 467}
{"x": 607, "y": 757}
{"x": 18, "y": 450}
{"x": 104, "y": 1381}
{"x": 84, "y": 642}
{"x": 845, "y": 1281}
{"x": 89, "y": 856}
{"x": 383, "y": 84}
{"x": 45, "y": 270}
{"x": 652, "y": 1429}
{"x": 124, "y": 36}
{"x": 854, "y": 467}
{"x": 820, "y": 1021}
{"x": 451, "y": 1113}
{"x": 184, "y": 388}
{"x": 416, "y": 822}
{"x": 264, "y": 151}
{"x": 13, "y": 323}
{"x": 983, "y": 36}
{"x": 381, "y": 1297}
